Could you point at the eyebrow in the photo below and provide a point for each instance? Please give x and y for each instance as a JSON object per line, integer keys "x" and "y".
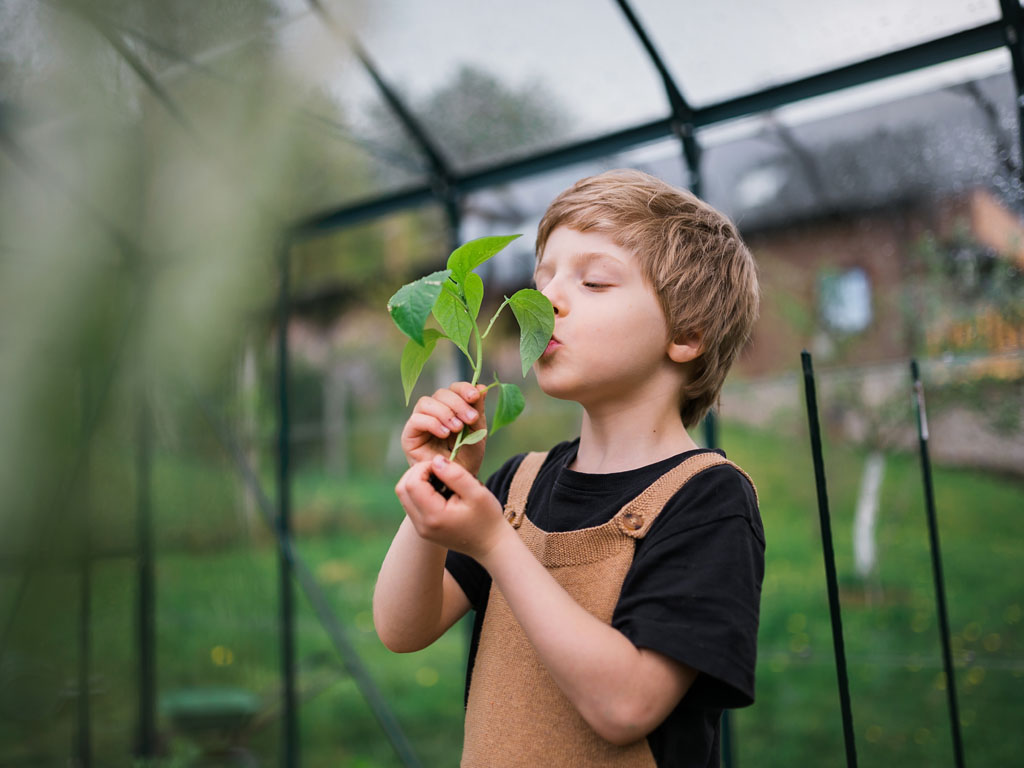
{"x": 596, "y": 256}
{"x": 586, "y": 257}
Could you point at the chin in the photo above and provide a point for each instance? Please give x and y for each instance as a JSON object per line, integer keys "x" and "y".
{"x": 561, "y": 389}
{"x": 552, "y": 387}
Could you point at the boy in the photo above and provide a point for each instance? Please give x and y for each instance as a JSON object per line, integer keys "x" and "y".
{"x": 617, "y": 614}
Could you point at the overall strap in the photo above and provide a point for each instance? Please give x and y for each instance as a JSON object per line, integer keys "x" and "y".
{"x": 522, "y": 481}
{"x": 637, "y": 517}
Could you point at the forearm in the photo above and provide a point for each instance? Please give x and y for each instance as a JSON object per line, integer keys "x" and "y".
{"x": 409, "y": 609}
{"x": 621, "y": 691}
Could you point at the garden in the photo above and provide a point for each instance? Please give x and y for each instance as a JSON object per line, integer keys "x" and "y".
{"x": 208, "y": 212}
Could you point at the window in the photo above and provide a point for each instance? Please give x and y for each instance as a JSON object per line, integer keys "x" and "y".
{"x": 845, "y": 300}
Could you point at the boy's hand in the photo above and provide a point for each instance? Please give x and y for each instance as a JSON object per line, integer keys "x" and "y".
{"x": 436, "y": 420}
{"x": 470, "y": 522}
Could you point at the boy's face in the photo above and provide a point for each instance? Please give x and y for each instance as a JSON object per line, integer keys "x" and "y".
{"x": 610, "y": 344}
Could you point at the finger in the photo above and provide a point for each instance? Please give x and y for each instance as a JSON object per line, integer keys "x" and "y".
{"x": 425, "y": 424}
{"x": 408, "y": 488}
{"x": 471, "y": 393}
{"x": 443, "y": 412}
{"x": 456, "y": 477}
{"x": 480, "y": 402}
{"x": 421, "y": 492}
{"x": 476, "y": 396}
{"x": 403, "y": 494}
{"x": 462, "y": 410}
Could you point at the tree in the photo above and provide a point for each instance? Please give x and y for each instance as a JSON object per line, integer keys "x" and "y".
{"x": 474, "y": 117}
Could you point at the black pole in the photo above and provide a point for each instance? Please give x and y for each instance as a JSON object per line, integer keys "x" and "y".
{"x": 290, "y": 736}
{"x": 728, "y": 730}
{"x": 146, "y": 606}
{"x": 711, "y": 430}
{"x": 940, "y": 589}
{"x": 83, "y": 729}
{"x": 830, "y": 561}
{"x": 83, "y": 740}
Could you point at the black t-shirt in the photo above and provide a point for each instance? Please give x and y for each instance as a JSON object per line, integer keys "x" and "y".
{"x": 692, "y": 593}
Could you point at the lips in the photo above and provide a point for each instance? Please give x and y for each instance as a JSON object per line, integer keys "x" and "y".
{"x": 552, "y": 345}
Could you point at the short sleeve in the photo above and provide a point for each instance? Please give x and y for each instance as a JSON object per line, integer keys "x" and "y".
{"x": 470, "y": 576}
{"x": 694, "y": 589}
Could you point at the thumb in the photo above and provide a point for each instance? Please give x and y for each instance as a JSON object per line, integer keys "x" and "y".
{"x": 455, "y": 476}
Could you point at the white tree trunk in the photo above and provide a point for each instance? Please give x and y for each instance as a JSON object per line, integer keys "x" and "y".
{"x": 865, "y": 554}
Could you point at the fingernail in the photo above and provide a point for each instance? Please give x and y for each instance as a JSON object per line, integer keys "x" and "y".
{"x": 445, "y": 431}
{"x": 456, "y": 424}
{"x": 469, "y": 416}
{"x": 440, "y": 461}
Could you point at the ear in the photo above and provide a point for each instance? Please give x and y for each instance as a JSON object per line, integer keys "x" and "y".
{"x": 686, "y": 347}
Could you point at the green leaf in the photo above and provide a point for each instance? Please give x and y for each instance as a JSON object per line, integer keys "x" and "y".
{"x": 454, "y": 320}
{"x": 474, "y": 288}
{"x": 468, "y": 257}
{"x": 410, "y": 306}
{"x": 536, "y": 319}
{"x": 510, "y": 405}
{"x": 474, "y": 437}
{"x": 414, "y": 357}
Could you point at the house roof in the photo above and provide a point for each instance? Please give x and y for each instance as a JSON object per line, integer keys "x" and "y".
{"x": 932, "y": 144}
{"x": 782, "y": 168}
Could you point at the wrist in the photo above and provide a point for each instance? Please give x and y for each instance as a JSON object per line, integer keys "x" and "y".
{"x": 500, "y": 548}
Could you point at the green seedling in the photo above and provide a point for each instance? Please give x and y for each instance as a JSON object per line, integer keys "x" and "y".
{"x": 454, "y": 296}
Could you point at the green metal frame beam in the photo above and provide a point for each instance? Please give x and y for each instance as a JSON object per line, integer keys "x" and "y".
{"x": 1013, "y": 37}
{"x": 682, "y": 112}
{"x": 442, "y": 178}
{"x": 966, "y": 43}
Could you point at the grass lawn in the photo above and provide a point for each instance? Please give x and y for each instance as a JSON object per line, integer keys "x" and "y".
{"x": 217, "y": 622}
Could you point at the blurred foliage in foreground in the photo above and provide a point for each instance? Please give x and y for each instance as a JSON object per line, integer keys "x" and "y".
{"x": 145, "y": 185}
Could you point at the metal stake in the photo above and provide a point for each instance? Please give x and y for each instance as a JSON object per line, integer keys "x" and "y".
{"x": 290, "y": 725}
{"x": 146, "y": 606}
{"x": 830, "y": 561}
{"x": 940, "y": 590}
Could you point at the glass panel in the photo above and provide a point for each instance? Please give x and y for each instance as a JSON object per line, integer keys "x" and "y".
{"x": 217, "y": 603}
{"x": 889, "y": 614}
{"x": 926, "y": 133}
{"x": 496, "y": 81}
{"x": 718, "y": 50}
{"x": 195, "y": 29}
{"x": 270, "y": 93}
{"x": 348, "y": 137}
{"x": 331, "y": 162}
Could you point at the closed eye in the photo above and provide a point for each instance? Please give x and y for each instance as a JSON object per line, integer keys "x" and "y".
{"x": 588, "y": 284}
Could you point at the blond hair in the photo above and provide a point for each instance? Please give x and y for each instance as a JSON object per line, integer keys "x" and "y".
{"x": 691, "y": 255}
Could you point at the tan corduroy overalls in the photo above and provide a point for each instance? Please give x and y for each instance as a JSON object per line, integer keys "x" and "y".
{"x": 516, "y": 714}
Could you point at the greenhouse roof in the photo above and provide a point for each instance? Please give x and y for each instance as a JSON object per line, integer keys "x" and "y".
{"x": 624, "y": 75}
{"x": 440, "y": 100}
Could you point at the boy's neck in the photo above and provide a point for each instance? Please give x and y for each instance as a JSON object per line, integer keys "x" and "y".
{"x": 623, "y": 438}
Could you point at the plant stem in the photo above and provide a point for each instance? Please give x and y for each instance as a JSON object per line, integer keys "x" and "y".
{"x": 478, "y": 365}
{"x": 458, "y": 444}
{"x": 495, "y": 317}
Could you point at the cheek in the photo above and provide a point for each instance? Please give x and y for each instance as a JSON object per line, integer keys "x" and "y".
{"x": 648, "y": 315}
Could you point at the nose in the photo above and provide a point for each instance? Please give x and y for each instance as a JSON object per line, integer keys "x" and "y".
{"x": 556, "y": 298}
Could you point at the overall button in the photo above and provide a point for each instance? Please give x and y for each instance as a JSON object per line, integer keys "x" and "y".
{"x": 633, "y": 520}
